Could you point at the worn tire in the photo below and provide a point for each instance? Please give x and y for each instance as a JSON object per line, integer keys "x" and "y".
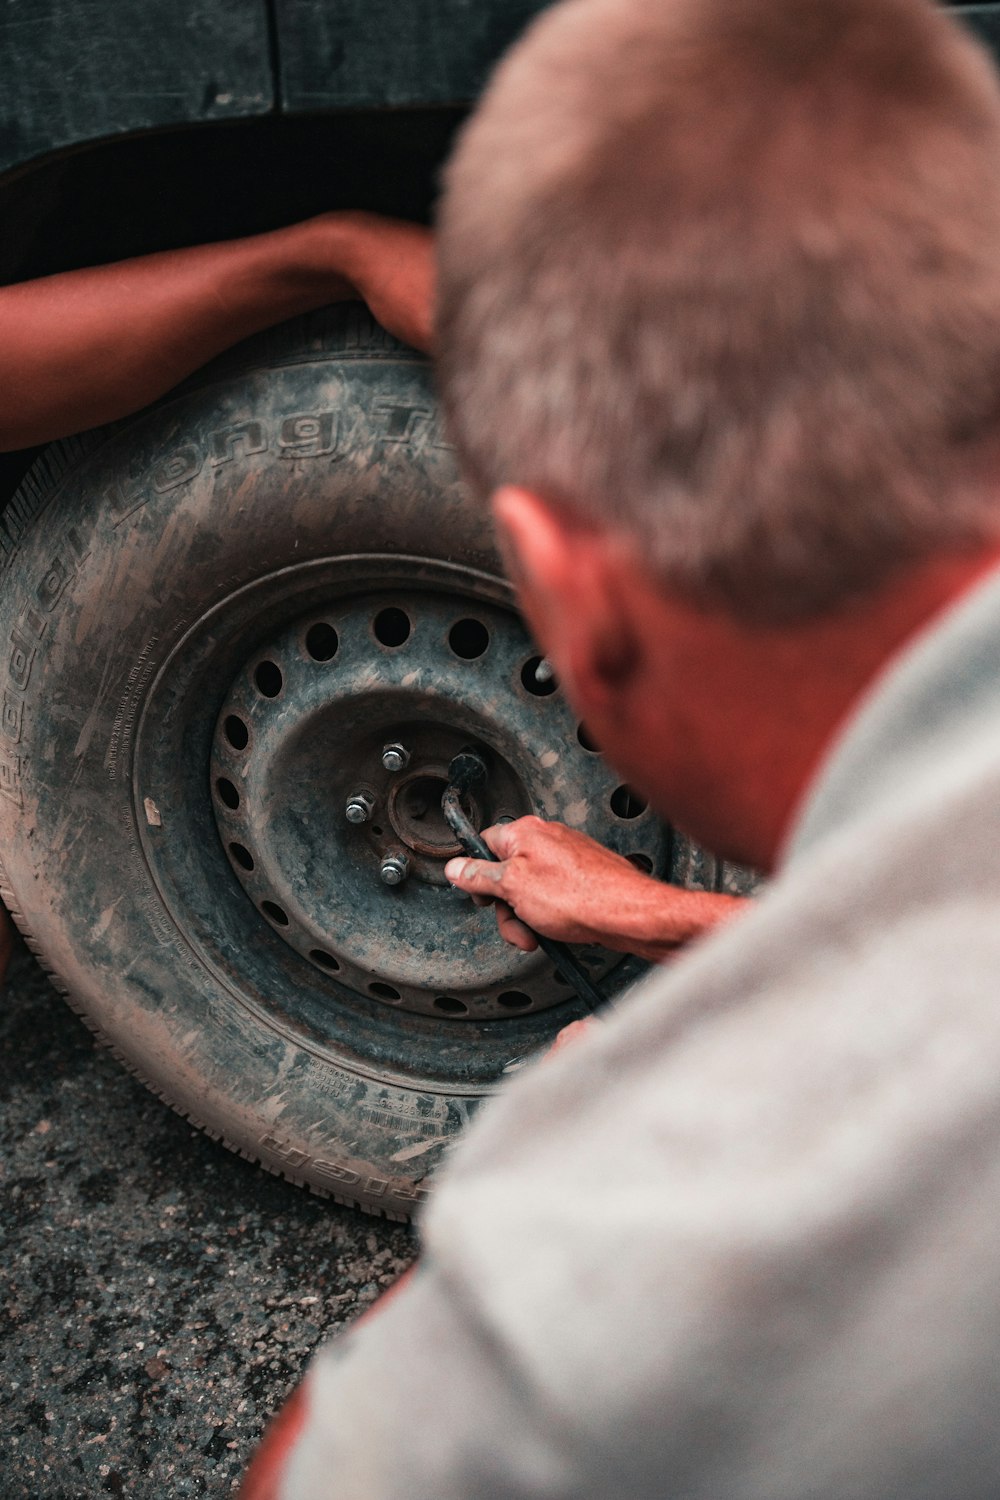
{"x": 317, "y": 441}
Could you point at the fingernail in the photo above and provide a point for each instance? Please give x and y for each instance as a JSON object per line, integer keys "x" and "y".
{"x": 454, "y": 869}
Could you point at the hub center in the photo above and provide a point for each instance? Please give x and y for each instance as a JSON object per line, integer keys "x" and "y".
{"x": 415, "y": 812}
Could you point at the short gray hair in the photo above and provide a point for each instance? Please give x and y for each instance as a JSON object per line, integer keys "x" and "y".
{"x": 724, "y": 276}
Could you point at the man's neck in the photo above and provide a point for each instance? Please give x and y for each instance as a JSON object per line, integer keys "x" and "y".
{"x": 763, "y": 705}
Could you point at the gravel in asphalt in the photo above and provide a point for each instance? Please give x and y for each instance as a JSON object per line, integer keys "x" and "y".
{"x": 160, "y": 1295}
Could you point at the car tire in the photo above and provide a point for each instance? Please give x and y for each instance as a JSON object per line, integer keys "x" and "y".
{"x": 151, "y": 570}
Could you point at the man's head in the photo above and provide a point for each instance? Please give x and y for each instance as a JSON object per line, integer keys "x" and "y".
{"x": 720, "y": 291}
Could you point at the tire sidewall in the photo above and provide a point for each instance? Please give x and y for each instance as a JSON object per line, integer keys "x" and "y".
{"x": 114, "y": 546}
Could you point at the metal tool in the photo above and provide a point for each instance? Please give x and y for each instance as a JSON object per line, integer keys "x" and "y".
{"x": 467, "y": 772}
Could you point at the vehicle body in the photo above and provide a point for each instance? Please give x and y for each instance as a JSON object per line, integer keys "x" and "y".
{"x": 219, "y": 614}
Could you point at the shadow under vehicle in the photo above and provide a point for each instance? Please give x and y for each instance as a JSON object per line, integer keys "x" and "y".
{"x": 245, "y": 631}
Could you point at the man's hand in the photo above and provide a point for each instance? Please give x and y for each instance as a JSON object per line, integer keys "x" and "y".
{"x": 390, "y": 264}
{"x": 566, "y": 886}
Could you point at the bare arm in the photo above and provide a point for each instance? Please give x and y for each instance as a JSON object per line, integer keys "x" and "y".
{"x": 568, "y": 887}
{"x": 86, "y": 347}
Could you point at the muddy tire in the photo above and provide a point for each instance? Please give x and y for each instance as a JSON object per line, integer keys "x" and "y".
{"x": 214, "y": 616}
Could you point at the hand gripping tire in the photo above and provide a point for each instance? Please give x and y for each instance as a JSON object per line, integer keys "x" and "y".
{"x": 215, "y": 615}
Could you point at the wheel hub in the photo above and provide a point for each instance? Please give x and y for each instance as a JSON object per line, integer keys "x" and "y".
{"x": 414, "y": 806}
{"x": 329, "y": 761}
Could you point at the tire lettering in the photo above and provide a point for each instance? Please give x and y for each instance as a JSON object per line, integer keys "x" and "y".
{"x": 34, "y": 622}
{"x": 247, "y": 438}
{"x": 290, "y": 1155}
{"x": 416, "y": 425}
{"x": 19, "y": 665}
{"x": 21, "y": 658}
{"x": 120, "y": 506}
{"x": 50, "y": 590}
{"x": 337, "y": 1173}
{"x": 401, "y": 423}
{"x": 124, "y": 720}
{"x": 374, "y": 1187}
{"x": 11, "y": 715}
{"x": 179, "y": 467}
{"x": 24, "y": 638}
{"x": 10, "y": 777}
{"x": 299, "y": 435}
{"x": 413, "y": 1194}
{"x": 309, "y": 435}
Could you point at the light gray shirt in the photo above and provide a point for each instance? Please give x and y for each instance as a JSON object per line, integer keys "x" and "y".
{"x": 743, "y": 1241}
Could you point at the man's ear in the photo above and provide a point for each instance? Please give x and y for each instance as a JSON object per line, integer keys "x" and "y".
{"x": 537, "y": 544}
{"x": 575, "y": 591}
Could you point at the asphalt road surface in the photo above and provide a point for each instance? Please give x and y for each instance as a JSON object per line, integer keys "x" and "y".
{"x": 160, "y": 1296}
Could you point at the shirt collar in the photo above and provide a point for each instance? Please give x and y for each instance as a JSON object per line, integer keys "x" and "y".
{"x": 928, "y": 721}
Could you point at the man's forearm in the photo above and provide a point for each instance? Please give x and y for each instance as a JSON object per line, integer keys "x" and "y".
{"x": 659, "y": 918}
{"x": 87, "y": 347}
{"x": 565, "y": 885}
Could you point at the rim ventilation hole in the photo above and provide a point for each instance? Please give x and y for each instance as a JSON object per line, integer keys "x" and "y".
{"x": 392, "y": 627}
{"x": 383, "y": 991}
{"x": 322, "y": 641}
{"x": 450, "y": 1006}
{"x": 514, "y": 1000}
{"x": 468, "y": 639}
{"x": 227, "y": 792}
{"x": 273, "y": 910}
{"x": 642, "y": 862}
{"x": 627, "y": 804}
{"x": 268, "y": 678}
{"x": 236, "y": 732}
{"x": 586, "y": 741}
{"x": 530, "y": 682}
{"x": 242, "y": 856}
{"x": 325, "y": 960}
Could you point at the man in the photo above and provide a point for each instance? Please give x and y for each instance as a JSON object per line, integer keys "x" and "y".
{"x": 719, "y": 334}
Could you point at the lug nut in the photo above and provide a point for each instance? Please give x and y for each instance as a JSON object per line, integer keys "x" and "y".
{"x": 359, "y": 807}
{"x": 395, "y": 757}
{"x": 395, "y": 868}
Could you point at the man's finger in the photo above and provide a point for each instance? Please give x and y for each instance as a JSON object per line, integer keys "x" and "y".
{"x": 477, "y": 876}
{"x": 501, "y": 838}
{"x": 513, "y": 931}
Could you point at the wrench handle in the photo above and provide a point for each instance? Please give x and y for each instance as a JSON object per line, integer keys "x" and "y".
{"x": 561, "y": 956}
